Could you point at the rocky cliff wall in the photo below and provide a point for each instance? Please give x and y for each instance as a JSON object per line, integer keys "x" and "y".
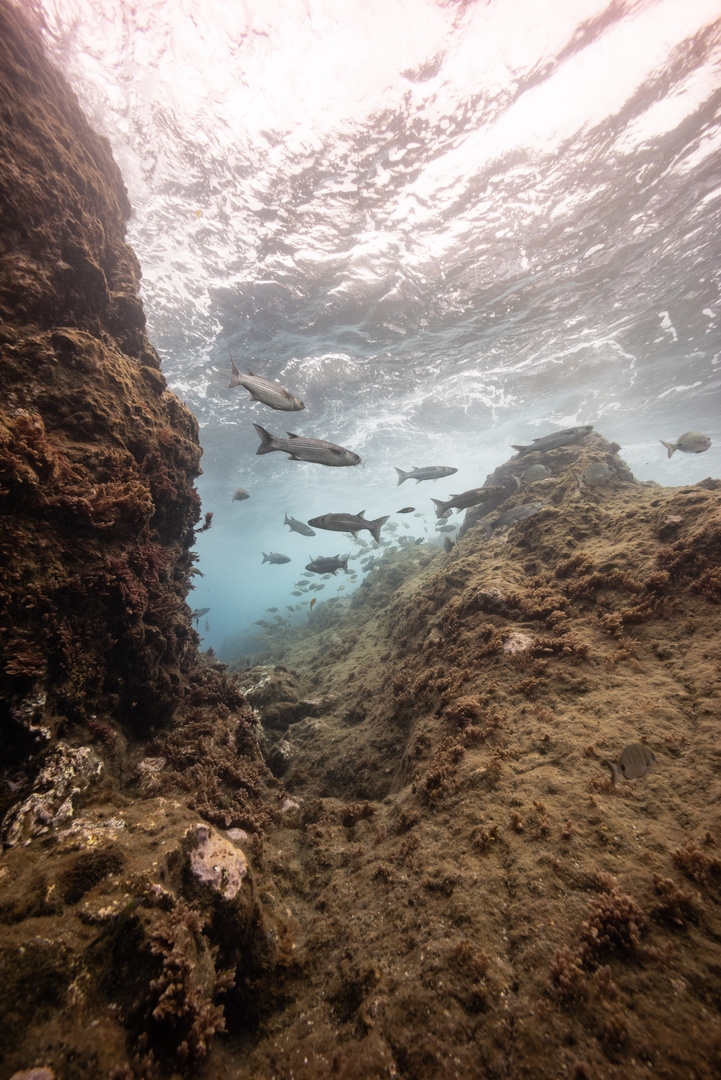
{"x": 97, "y": 457}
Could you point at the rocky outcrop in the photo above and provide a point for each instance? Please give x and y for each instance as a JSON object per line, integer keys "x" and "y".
{"x": 97, "y": 457}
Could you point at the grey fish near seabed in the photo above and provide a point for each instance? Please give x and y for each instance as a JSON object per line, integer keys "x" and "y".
{"x": 268, "y": 393}
{"x": 635, "y": 761}
{"x": 466, "y": 499}
{"x": 555, "y": 439}
{"x": 691, "y": 442}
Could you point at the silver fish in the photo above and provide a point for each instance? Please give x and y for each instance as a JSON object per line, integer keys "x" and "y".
{"x": 269, "y": 393}
{"x": 239, "y": 494}
{"x": 691, "y": 442}
{"x": 556, "y": 439}
{"x": 518, "y": 513}
{"x": 598, "y": 472}
{"x": 534, "y": 473}
{"x": 328, "y": 564}
{"x": 467, "y": 498}
{"x": 298, "y": 526}
{"x": 301, "y": 449}
{"x": 406, "y": 510}
{"x": 350, "y": 523}
{"x": 427, "y": 472}
{"x": 200, "y": 611}
{"x": 274, "y": 557}
{"x": 446, "y": 528}
{"x": 635, "y": 761}
{"x": 447, "y": 544}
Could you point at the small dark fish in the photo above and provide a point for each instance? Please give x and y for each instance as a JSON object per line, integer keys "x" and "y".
{"x": 635, "y": 761}
{"x": 301, "y": 449}
{"x": 239, "y": 494}
{"x": 406, "y": 510}
{"x": 350, "y": 523}
{"x": 419, "y": 540}
{"x": 447, "y": 544}
{"x": 269, "y": 393}
{"x": 556, "y": 439}
{"x": 272, "y": 610}
{"x": 328, "y": 564}
{"x": 428, "y": 472}
{"x": 296, "y": 592}
{"x": 298, "y": 526}
{"x": 465, "y": 499}
{"x": 274, "y": 557}
{"x": 691, "y": 442}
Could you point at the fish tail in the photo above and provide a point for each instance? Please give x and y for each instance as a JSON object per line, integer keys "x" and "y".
{"x": 376, "y": 527}
{"x": 267, "y": 441}
{"x": 265, "y": 558}
{"x": 401, "y": 476}
{"x": 669, "y": 446}
{"x": 443, "y": 507}
{"x": 519, "y": 448}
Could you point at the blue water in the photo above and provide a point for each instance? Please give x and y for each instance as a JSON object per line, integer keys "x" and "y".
{"x": 446, "y": 227}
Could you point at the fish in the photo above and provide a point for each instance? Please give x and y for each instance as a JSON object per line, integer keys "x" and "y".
{"x": 350, "y": 523}
{"x": 268, "y": 393}
{"x": 328, "y": 564}
{"x": 597, "y": 472}
{"x": 312, "y": 602}
{"x": 467, "y": 498}
{"x": 691, "y": 442}
{"x": 534, "y": 473}
{"x": 635, "y": 761}
{"x": 200, "y": 611}
{"x": 510, "y": 517}
{"x": 274, "y": 557}
{"x": 446, "y": 528}
{"x": 406, "y": 510}
{"x": 272, "y": 610}
{"x": 301, "y": 449}
{"x": 556, "y": 439}
{"x": 427, "y": 472}
{"x": 419, "y": 540}
{"x": 298, "y": 526}
{"x": 447, "y": 544}
{"x": 239, "y": 494}
{"x": 296, "y": 592}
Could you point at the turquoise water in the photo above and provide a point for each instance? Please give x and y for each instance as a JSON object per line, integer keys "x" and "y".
{"x": 446, "y": 227}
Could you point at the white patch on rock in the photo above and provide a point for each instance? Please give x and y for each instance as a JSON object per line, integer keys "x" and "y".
{"x": 216, "y": 862}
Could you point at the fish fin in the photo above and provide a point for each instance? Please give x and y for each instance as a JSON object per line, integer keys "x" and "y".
{"x": 267, "y": 441}
{"x": 401, "y": 476}
{"x": 251, "y": 373}
{"x": 442, "y": 505}
{"x": 292, "y": 436}
{"x": 360, "y": 513}
{"x": 252, "y": 395}
{"x": 669, "y": 446}
{"x": 376, "y": 527}
{"x": 265, "y": 557}
{"x": 615, "y": 772}
{"x": 514, "y": 447}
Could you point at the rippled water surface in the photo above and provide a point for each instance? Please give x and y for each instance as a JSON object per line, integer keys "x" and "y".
{"x": 448, "y": 227}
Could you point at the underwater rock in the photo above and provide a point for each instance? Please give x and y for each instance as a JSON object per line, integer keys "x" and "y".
{"x": 66, "y": 776}
{"x": 215, "y": 862}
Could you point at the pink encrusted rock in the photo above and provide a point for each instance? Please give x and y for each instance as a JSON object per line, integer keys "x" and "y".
{"x": 216, "y": 862}
{"x": 33, "y": 1074}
